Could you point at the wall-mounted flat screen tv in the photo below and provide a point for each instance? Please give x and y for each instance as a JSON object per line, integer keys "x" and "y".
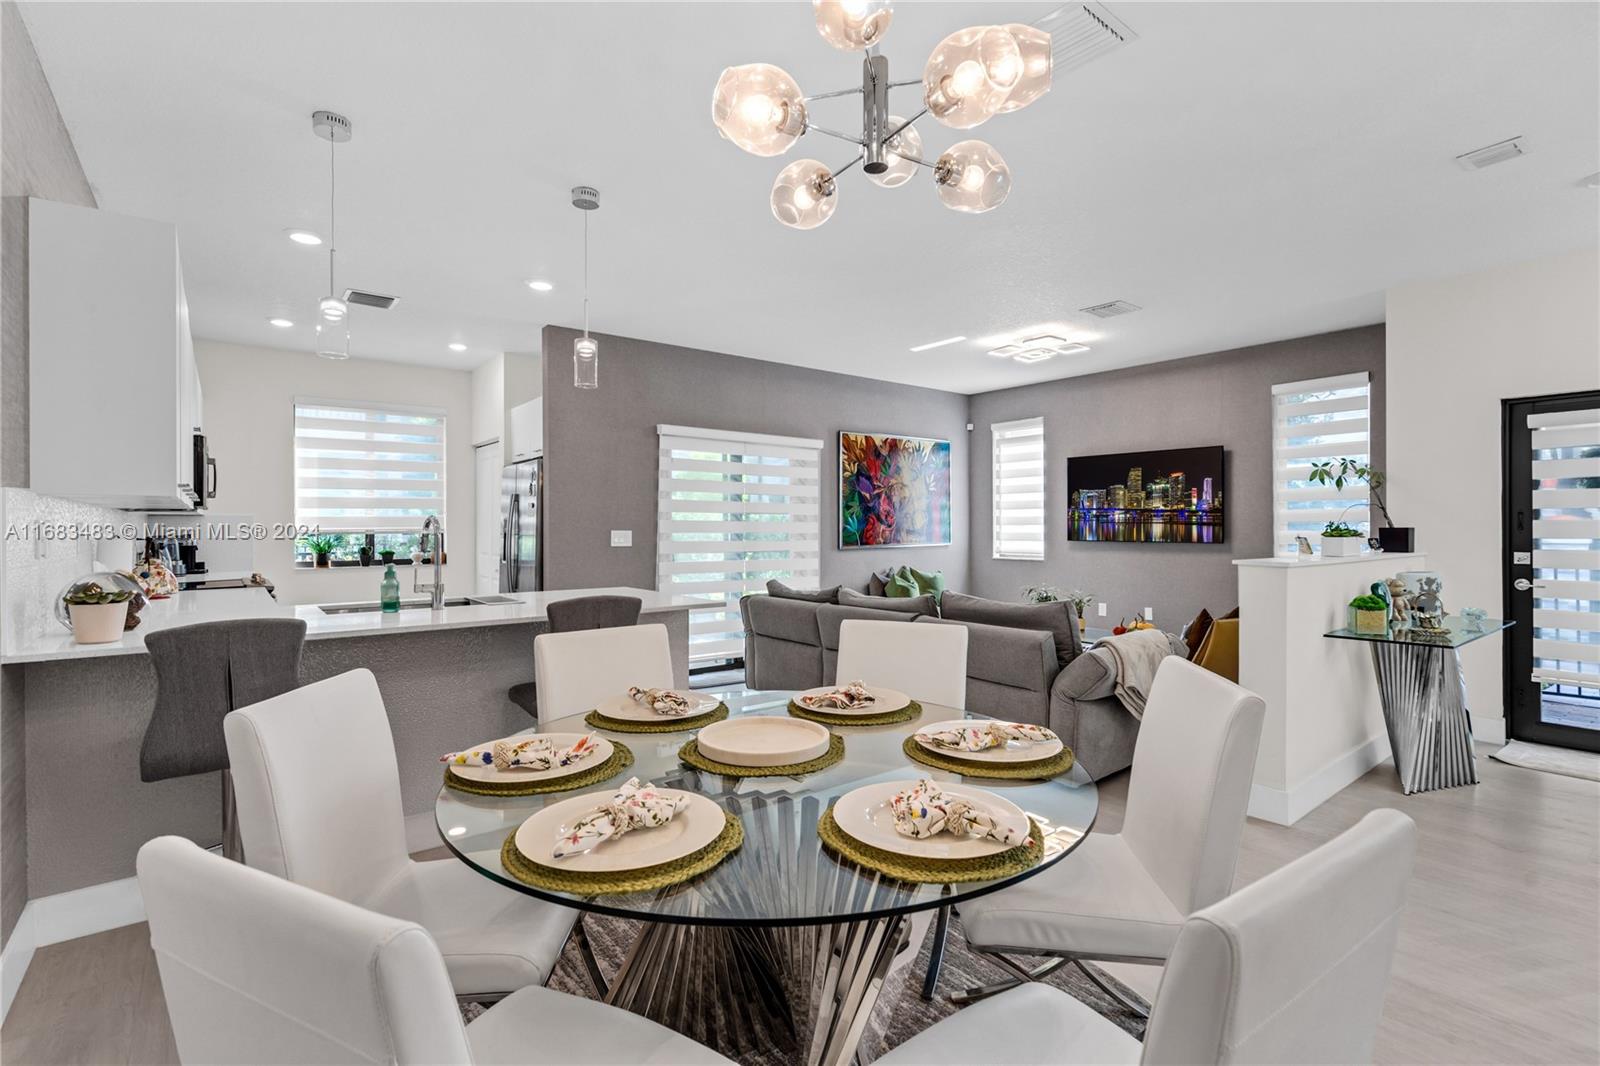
{"x": 1173, "y": 496}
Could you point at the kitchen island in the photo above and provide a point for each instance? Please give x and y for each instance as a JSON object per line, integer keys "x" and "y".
{"x": 443, "y": 674}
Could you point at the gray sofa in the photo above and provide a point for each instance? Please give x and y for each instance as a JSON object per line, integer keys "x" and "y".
{"x": 1013, "y": 673}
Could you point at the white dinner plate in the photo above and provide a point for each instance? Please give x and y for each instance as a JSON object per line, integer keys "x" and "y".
{"x": 691, "y": 829}
{"x": 764, "y": 740}
{"x": 1013, "y": 751}
{"x": 629, "y": 709}
{"x": 864, "y": 814}
{"x": 489, "y": 775}
{"x": 884, "y": 700}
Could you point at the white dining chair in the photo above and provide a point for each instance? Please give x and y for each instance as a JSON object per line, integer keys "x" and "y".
{"x": 926, "y": 662}
{"x": 575, "y": 671}
{"x": 1291, "y": 969}
{"x": 319, "y": 804}
{"x": 258, "y": 969}
{"x": 1122, "y": 897}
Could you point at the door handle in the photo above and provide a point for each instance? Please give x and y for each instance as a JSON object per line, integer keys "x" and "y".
{"x": 1522, "y": 584}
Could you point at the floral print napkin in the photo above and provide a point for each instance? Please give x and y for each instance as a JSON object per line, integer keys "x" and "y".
{"x": 634, "y": 806}
{"x": 524, "y": 753}
{"x": 849, "y": 697}
{"x": 925, "y": 810}
{"x": 662, "y": 700}
{"x": 982, "y": 736}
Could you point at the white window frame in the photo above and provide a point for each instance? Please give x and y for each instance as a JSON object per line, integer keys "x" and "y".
{"x": 1018, "y": 487}
{"x": 376, "y": 453}
{"x": 1300, "y": 508}
{"x": 789, "y": 504}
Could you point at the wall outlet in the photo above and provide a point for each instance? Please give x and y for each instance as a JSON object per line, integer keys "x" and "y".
{"x": 622, "y": 538}
{"x": 1149, "y": 614}
{"x": 1102, "y": 609}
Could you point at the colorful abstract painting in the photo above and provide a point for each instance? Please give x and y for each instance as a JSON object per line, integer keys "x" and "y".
{"x": 893, "y": 491}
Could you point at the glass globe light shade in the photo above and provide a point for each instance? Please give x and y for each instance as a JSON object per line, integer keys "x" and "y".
{"x": 852, "y": 25}
{"x": 333, "y": 340}
{"x": 759, "y": 108}
{"x": 1034, "y": 46}
{"x": 585, "y": 363}
{"x": 804, "y": 195}
{"x": 902, "y": 148}
{"x": 972, "y": 177}
{"x": 332, "y": 309}
{"x": 970, "y": 75}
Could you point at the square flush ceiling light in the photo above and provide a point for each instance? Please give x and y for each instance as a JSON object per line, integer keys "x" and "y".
{"x": 1045, "y": 340}
{"x": 1034, "y": 355}
{"x": 1006, "y": 351}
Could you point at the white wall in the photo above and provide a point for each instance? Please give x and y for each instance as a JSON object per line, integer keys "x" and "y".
{"x": 1456, "y": 348}
{"x": 249, "y": 424}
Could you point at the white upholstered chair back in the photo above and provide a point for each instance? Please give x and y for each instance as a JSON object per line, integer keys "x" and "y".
{"x": 258, "y": 969}
{"x": 1291, "y": 969}
{"x": 318, "y": 787}
{"x": 575, "y": 671}
{"x": 927, "y": 663}
{"x": 1192, "y": 768}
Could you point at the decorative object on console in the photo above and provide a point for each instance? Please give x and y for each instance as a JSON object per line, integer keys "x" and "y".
{"x": 333, "y": 321}
{"x": 1391, "y": 538}
{"x": 893, "y": 491}
{"x": 1369, "y": 614}
{"x": 585, "y": 351}
{"x": 973, "y": 75}
{"x": 1474, "y": 617}
{"x": 1428, "y": 606}
{"x": 1340, "y": 541}
{"x": 1173, "y": 496}
{"x": 1303, "y": 548}
{"x": 96, "y": 610}
{"x": 1399, "y": 602}
{"x": 1080, "y": 601}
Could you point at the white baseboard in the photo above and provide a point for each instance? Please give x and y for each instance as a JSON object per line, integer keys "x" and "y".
{"x": 1288, "y": 807}
{"x": 65, "y": 916}
{"x": 14, "y": 959}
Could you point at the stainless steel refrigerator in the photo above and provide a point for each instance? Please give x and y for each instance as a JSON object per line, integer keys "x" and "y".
{"x": 521, "y": 533}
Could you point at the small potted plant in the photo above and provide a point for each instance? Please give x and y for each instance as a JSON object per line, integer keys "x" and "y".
{"x": 365, "y": 554}
{"x": 1340, "y": 541}
{"x": 1391, "y": 538}
{"x": 1080, "y": 601}
{"x": 1369, "y": 614}
{"x": 321, "y": 547}
{"x": 386, "y": 556}
{"x": 97, "y": 612}
{"x": 1041, "y": 594}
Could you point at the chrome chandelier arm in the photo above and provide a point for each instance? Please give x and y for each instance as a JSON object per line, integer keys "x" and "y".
{"x": 836, "y": 92}
{"x": 904, "y": 125}
{"x": 908, "y": 81}
{"x": 847, "y": 166}
{"x": 812, "y": 127}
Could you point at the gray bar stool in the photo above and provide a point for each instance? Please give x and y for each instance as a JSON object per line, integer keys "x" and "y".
{"x": 571, "y": 616}
{"x": 202, "y": 672}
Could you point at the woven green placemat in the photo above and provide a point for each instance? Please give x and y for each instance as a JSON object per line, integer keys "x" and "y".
{"x": 596, "y": 720}
{"x": 621, "y": 758}
{"x": 690, "y": 754}
{"x": 1033, "y": 770}
{"x": 907, "y": 713}
{"x": 644, "y": 879}
{"x": 1007, "y": 863}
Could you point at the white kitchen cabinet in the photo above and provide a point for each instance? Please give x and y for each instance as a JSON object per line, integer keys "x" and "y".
{"x": 113, "y": 388}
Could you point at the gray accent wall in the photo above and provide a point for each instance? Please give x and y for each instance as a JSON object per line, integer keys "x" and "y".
{"x": 601, "y": 452}
{"x": 1222, "y": 398}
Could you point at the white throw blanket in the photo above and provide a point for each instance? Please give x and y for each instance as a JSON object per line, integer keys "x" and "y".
{"x": 1138, "y": 654}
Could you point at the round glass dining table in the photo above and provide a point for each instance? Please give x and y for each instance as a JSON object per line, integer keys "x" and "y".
{"x": 783, "y": 941}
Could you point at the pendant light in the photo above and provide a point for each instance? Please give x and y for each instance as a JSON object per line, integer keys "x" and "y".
{"x": 333, "y": 327}
{"x": 585, "y": 352}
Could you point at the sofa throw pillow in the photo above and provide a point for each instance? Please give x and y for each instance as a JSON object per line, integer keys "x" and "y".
{"x": 1194, "y": 634}
{"x": 901, "y": 584}
{"x": 903, "y": 604}
{"x": 784, "y": 592}
{"x": 1091, "y": 676}
{"x": 878, "y": 583}
{"x": 928, "y": 584}
{"x": 1055, "y": 618}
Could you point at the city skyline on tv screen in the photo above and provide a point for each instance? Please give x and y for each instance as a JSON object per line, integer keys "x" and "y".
{"x": 1167, "y": 496}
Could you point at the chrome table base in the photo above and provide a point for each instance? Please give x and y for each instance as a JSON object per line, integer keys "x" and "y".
{"x": 808, "y": 990}
{"x": 1425, "y": 710}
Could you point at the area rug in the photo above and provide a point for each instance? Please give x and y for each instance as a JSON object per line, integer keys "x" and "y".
{"x": 1564, "y": 761}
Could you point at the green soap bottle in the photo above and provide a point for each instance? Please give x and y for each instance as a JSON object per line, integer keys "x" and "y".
{"x": 391, "y": 591}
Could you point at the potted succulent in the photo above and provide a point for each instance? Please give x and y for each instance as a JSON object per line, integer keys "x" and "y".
{"x": 1391, "y": 538}
{"x": 1080, "y": 601}
{"x": 365, "y": 554}
{"x": 321, "y": 547}
{"x": 386, "y": 556}
{"x": 97, "y": 612}
{"x": 1369, "y": 614}
{"x": 1340, "y": 540}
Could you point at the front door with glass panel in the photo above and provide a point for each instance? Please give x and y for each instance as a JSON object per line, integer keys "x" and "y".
{"x": 1552, "y": 570}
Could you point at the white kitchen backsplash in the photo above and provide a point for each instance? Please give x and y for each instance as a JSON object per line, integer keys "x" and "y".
{"x": 41, "y": 556}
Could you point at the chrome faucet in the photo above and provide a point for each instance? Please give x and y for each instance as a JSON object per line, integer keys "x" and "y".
{"x": 433, "y": 526}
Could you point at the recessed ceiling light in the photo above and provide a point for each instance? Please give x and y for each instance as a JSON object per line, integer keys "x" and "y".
{"x": 458, "y": 347}
{"x": 1006, "y": 351}
{"x": 1034, "y": 355}
{"x": 540, "y": 286}
{"x": 1045, "y": 340}
{"x": 938, "y": 344}
{"x": 281, "y": 323}
{"x": 1072, "y": 349}
{"x": 303, "y": 236}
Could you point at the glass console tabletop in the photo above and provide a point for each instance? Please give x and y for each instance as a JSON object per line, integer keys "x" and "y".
{"x": 1455, "y": 632}
{"x": 782, "y": 875}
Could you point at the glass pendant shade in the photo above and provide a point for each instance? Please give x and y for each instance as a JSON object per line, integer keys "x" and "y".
{"x": 902, "y": 148}
{"x": 804, "y": 195}
{"x": 585, "y": 363}
{"x": 333, "y": 340}
{"x": 332, "y": 309}
{"x": 852, "y": 25}
{"x": 970, "y": 75}
{"x": 1034, "y": 46}
{"x": 972, "y": 177}
{"x": 759, "y": 108}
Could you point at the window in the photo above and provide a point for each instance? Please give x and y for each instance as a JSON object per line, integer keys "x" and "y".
{"x": 1018, "y": 489}
{"x": 1315, "y": 421}
{"x": 735, "y": 510}
{"x": 367, "y": 474}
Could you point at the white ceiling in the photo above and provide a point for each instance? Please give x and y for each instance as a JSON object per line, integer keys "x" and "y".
{"x": 1244, "y": 172}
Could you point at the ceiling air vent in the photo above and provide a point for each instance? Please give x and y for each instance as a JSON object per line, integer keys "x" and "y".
{"x": 362, "y": 298}
{"x": 1081, "y": 33}
{"x": 1110, "y": 310}
{"x": 1494, "y": 153}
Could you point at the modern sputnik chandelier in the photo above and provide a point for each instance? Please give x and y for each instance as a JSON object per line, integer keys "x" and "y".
{"x": 973, "y": 75}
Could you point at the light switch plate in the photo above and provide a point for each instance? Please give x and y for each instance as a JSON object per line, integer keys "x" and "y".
{"x": 1149, "y": 614}
{"x": 1102, "y": 609}
{"x": 622, "y": 538}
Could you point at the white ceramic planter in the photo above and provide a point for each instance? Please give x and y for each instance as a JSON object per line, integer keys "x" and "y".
{"x": 97, "y": 623}
{"x": 1342, "y": 547}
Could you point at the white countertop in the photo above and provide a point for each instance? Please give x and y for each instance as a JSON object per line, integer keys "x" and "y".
{"x": 215, "y": 605}
{"x": 1295, "y": 561}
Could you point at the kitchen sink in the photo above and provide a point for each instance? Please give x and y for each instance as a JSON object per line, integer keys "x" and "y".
{"x": 416, "y": 605}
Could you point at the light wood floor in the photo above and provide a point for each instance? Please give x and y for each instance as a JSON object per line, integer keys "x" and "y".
{"x": 1498, "y": 960}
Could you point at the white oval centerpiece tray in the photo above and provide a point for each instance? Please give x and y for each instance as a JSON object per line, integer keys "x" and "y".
{"x": 1015, "y": 751}
{"x": 763, "y": 740}
{"x": 883, "y": 701}
{"x": 625, "y": 708}
{"x": 488, "y": 774}
{"x": 691, "y": 829}
{"x": 864, "y": 815}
